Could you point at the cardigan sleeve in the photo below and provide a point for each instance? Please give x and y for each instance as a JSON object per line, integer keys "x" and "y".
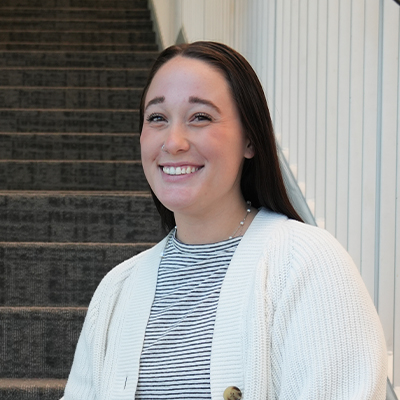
{"x": 80, "y": 384}
{"x": 327, "y": 340}
{"x": 84, "y": 373}
{"x": 85, "y": 378}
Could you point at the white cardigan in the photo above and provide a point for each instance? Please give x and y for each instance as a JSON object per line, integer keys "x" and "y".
{"x": 294, "y": 321}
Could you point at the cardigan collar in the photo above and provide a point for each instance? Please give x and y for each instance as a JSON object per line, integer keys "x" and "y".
{"x": 228, "y": 352}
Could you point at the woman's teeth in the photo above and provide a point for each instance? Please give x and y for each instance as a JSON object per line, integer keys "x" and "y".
{"x": 179, "y": 170}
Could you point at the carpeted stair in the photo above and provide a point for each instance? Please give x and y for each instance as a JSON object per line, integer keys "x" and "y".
{"x": 73, "y": 198}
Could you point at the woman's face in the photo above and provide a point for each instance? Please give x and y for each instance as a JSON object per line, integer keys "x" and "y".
{"x": 190, "y": 111}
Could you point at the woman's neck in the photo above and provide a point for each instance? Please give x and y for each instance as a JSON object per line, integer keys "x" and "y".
{"x": 219, "y": 223}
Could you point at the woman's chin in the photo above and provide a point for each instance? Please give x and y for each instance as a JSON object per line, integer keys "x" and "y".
{"x": 177, "y": 202}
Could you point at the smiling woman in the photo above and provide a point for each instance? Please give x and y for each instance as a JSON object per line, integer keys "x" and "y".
{"x": 245, "y": 301}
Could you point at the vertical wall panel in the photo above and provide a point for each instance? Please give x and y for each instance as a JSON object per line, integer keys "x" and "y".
{"x": 321, "y": 111}
{"x": 290, "y": 105}
{"x": 355, "y": 129}
{"x": 396, "y": 331}
{"x": 269, "y": 44}
{"x": 343, "y": 108}
{"x": 278, "y": 92}
{"x": 194, "y": 14}
{"x": 301, "y": 82}
{"x": 388, "y": 169}
{"x": 311, "y": 104}
{"x": 332, "y": 115}
{"x": 285, "y": 106}
{"x": 370, "y": 107}
{"x": 302, "y": 92}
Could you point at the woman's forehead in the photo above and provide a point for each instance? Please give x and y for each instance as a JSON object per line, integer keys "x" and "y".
{"x": 188, "y": 77}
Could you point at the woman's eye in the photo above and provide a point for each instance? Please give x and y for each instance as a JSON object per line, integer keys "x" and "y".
{"x": 202, "y": 117}
{"x": 155, "y": 118}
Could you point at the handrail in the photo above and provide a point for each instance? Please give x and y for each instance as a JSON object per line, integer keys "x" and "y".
{"x": 295, "y": 195}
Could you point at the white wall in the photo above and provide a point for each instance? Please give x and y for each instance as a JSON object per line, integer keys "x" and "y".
{"x": 330, "y": 70}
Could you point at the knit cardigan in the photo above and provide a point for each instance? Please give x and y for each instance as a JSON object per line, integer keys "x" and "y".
{"x": 294, "y": 321}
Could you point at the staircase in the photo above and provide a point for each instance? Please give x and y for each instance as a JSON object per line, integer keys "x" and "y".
{"x": 73, "y": 198}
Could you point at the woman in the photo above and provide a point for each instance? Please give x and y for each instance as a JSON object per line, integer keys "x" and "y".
{"x": 241, "y": 300}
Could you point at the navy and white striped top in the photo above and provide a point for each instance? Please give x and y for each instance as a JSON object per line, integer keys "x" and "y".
{"x": 175, "y": 359}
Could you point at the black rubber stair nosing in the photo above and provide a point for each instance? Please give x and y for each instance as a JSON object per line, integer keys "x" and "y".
{"x": 116, "y": 4}
{"x": 78, "y": 217}
{"x": 91, "y": 25}
{"x": 29, "y": 389}
{"x": 73, "y": 13}
{"x": 84, "y": 77}
{"x": 74, "y": 175}
{"x": 57, "y": 274}
{"x": 81, "y": 59}
{"x": 70, "y": 98}
{"x": 106, "y": 37}
{"x": 76, "y": 146}
{"x": 39, "y": 342}
{"x": 77, "y": 47}
{"x": 63, "y": 121}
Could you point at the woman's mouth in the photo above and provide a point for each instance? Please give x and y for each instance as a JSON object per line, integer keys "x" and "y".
{"x": 179, "y": 170}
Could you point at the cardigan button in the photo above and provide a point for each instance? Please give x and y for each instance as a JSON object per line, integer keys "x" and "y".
{"x": 232, "y": 393}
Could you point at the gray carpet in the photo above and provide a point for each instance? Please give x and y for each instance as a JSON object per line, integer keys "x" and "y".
{"x": 73, "y": 199}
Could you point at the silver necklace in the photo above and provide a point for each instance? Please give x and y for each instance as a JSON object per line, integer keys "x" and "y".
{"x": 240, "y": 227}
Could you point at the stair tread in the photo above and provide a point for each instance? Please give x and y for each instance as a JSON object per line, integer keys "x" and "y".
{"x": 44, "y": 68}
{"x": 74, "y": 193}
{"x": 87, "y": 47}
{"x": 71, "y": 134}
{"x": 119, "y": 4}
{"x": 112, "y": 110}
{"x": 74, "y": 244}
{"x": 48, "y": 309}
{"x": 69, "y": 88}
{"x": 58, "y": 274}
{"x": 21, "y": 19}
{"x": 102, "y": 31}
{"x": 133, "y": 162}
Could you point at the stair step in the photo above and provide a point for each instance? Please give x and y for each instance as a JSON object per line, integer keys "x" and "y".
{"x": 57, "y": 274}
{"x": 85, "y": 121}
{"x": 74, "y": 25}
{"x": 119, "y": 217}
{"x": 42, "y": 4}
{"x": 72, "y": 175}
{"x": 77, "y": 47}
{"x": 104, "y": 36}
{"x": 73, "y": 13}
{"x": 31, "y": 389}
{"x": 39, "y": 342}
{"x": 78, "y": 77}
{"x": 65, "y": 59}
{"x": 42, "y": 146}
{"x": 70, "y": 98}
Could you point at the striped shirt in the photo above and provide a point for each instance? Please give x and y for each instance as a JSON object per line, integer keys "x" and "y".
{"x": 175, "y": 359}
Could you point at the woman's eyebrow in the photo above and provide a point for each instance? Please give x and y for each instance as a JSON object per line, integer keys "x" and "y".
{"x": 194, "y": 99}
{"x": 156, "y": 100}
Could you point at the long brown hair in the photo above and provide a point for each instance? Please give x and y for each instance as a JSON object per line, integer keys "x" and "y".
{"x": 261, "y": 181}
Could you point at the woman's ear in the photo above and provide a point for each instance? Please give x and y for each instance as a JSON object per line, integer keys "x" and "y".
{"x": 249, "y": 151}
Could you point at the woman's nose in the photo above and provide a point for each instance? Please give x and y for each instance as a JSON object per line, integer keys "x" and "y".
{"x": 176, "y": 140}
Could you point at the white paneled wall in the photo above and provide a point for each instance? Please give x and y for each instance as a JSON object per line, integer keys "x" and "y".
{"x": 330, "y": 69}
